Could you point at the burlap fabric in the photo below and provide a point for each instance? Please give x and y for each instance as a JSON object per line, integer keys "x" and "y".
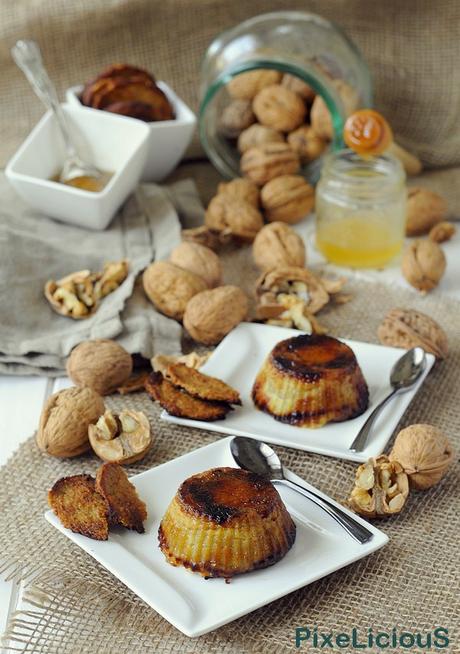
{"x": 412, "y": 48}
{"x": 76, "y": 606}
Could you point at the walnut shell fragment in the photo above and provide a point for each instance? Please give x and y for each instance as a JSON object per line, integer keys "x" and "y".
{"x": 381, "y": 488}
{"x": 287, "y": 198}
{"x": 269, "y": 160}
{"x": 233, "y": 217}
{"x": 161, "y": 362}
{"x": 425, "y": 454}
{"x": 240, "y": 189}
{"x": 258, "y": 135}
{"x": 64, "y": 422}
{"x": 122, "y": 438}
{"x": 246, "y": 86}
{"x": 100, "y": 364}
{"x": 211, "y": 315}
{"x": 278, "y": 107}
{"x": 277, "y": 245}
{"x": 78, "y": 295}
{"x": 169, "y": 287}
{"x": 199, "y": 260}
{"x": 408, "y": 328}
{"x": 424, "y": 209}
{"x": 423, "y": 264}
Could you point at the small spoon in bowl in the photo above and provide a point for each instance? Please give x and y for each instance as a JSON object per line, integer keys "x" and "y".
{"x": 27, "y": 56}
{"x": 258, "y": 457}
{"x": 405, "y": 372}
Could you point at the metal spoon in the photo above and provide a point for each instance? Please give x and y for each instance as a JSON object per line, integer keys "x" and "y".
{"x": 405, "y": 372}
{"x": 258, "y": 457}
{"x": 27, "y": 56}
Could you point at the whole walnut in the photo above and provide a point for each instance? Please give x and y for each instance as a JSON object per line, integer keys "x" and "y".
{"x": 423, "y": 210}
{"x": 306, "y": 142}
{"x": 277, "y": 245}
{"x": 246, "y": 86}
{"x": 233, "y": 216}
{"x": 425, "y": 454}
{"x": 265, "y": 162}
{"x": 278, "y": 107}
{"x": 294, "y": 83}
{"x": 199, "y": 260}
{"x": 287, "y": 198}
{"x": 211, "y": 315}
{"x": 236, "y": 117}
{"x": 100, "y": 364}
{"x": 320, "y": 117}
{"x": 257, "y": 135}
{"x": 64, "y": 422}
{"x": 423, "y": 264}
{"x": 169, "y": 287}
{"x": 240, "y": 189}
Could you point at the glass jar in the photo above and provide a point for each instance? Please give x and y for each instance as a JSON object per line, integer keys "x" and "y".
{"x": 294, "y": 42}
{"x": 360, "y": 209}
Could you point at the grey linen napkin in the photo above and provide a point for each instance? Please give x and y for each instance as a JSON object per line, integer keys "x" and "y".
{"x": 33, "y": 248}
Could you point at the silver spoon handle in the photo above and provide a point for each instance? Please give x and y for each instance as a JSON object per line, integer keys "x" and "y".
{"x": 360, "y": 441}
{"x": 352, "y": 526}
{"x": 27, "y": 56}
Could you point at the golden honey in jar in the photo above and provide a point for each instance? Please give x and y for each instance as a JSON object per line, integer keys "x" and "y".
{"x": 360, "y": 209}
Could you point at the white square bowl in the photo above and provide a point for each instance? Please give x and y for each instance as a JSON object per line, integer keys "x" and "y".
{"x": 114, "y": 144}
{"x": 168, "y": 139}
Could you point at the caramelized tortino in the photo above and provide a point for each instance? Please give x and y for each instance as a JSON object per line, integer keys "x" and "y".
{"x": 224, "y": 522}
{"x": 310, "y": 380}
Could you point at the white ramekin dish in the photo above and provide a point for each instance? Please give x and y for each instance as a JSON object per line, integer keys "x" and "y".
{"x": 168, "y": 139}
{"x": 115, "y": 144}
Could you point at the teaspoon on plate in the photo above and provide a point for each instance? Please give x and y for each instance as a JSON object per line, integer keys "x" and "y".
{"x": 28, "y": 57}
{"x": 404, "y": 374}
{"x": 258, "y": 457}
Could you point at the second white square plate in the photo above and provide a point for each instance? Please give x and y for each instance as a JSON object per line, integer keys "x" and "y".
{"x": 195, "y": 605}
{"x": 237, "y": 360}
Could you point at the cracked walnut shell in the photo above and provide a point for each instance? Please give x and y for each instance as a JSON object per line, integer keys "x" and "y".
{"x": 381, "y": 488}
{"x": 265, "y": 162}
{"x": 287, "y": 198}
{"x": 424, "y": 209}
{"x": 233, "y": 217}
{"x": 408, "y": 328}
{"x": 278, "y": 107}
{"x": 246, "y": 86}
{"x": 121, "y": 438}
{"x": 169, "y": 287}
{"x": 289, "y": 280}
{"x": 423, "y": 264}
{"x": 100, "y": 364}
{"x": 276, "y": 245}
{"x": 425, "y": 454}
{"x": 240, "y": 189}
{"x": 64, "y": 421}
{"x": 211, "y": 315}
{"x": 199, "y": 260}
{"x": 257, "y": 135}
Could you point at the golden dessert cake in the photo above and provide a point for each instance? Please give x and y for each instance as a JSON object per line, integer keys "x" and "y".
{"x": 310, "y": 380}
{"x": 224, "y": 522}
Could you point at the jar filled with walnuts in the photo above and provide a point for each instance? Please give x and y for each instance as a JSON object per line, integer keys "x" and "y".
{"x": 287, "y": 77}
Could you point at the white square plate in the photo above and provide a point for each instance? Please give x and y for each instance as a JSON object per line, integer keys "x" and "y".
{"x": 189, "y": 602}
{"x": 240, "y": 355}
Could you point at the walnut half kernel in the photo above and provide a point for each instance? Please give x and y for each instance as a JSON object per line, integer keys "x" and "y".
{"x": 381, "y": 488}
{"x": 122, "y": 438}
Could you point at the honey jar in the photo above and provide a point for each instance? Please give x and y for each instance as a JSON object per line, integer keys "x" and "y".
{"x": 360, "y": 209}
